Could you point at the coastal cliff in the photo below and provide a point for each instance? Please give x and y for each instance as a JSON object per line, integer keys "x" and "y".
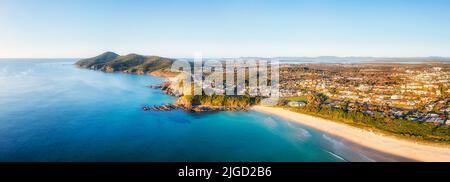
{"x": 203, "y": 103}
{"x": 160, "y": 66}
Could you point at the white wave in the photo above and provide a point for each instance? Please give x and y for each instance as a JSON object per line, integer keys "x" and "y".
{"x": 302, "y": 133}
{"x": 340, "y": 147}
{"x": 332, "y": 140}
{"x": 269, "y": 121}
{"x": 335, "y": 155}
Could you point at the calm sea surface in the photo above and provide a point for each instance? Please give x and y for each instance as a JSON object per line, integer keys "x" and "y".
{"x": 53, "y": 111}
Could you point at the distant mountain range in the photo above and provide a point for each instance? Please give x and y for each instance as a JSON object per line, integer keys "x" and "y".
{"x": 336, "y": 59}
{"x": 343, "y": 60}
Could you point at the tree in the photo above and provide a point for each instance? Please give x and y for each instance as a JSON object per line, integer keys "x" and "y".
{"x": 346, "y": 106}
{"x": 315, "y": 101}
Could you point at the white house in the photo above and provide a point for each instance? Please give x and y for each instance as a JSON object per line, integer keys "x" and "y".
{"x": 296, "y": 104}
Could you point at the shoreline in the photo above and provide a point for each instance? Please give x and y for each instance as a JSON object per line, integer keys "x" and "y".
{"x": 355, "y": 136}
{"x": 381, "y": 146}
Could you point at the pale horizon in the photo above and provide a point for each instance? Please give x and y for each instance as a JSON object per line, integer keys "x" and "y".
{"x": 265, "y": 28}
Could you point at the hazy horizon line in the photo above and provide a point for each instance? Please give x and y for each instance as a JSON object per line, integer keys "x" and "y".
{"x": 263, "y": 57}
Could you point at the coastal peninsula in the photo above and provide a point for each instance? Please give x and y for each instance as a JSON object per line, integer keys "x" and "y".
{"x": 404, "y": 106}
{"x": 160, "y": 66}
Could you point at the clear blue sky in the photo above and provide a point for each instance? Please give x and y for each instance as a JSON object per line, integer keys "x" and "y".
{"x": 225, "y": 28}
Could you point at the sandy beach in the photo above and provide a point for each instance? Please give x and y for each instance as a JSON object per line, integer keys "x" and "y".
{"x": 377, "y": 142}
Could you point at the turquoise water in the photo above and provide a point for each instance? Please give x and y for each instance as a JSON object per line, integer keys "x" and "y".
{"x": 52, "y": 111}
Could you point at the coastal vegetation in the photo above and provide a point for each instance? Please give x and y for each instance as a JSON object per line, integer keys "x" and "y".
{"x": 296, "y": 98}
{"x": 131, "y": 63}
{"x": 316, "y": 106}
{"x": 241, "y": 101}
{"x": 203, "y": 103}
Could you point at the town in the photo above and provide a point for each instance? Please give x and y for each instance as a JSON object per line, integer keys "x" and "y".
{"x": 415, "y": 92}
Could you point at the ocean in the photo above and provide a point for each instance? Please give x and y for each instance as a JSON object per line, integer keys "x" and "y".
{"x": 52, "y": 111}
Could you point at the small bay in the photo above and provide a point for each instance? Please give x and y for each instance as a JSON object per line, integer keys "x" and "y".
{"x": 52, "y": 111}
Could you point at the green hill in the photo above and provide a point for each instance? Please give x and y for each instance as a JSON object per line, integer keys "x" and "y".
{"x": 131, "y": 63}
